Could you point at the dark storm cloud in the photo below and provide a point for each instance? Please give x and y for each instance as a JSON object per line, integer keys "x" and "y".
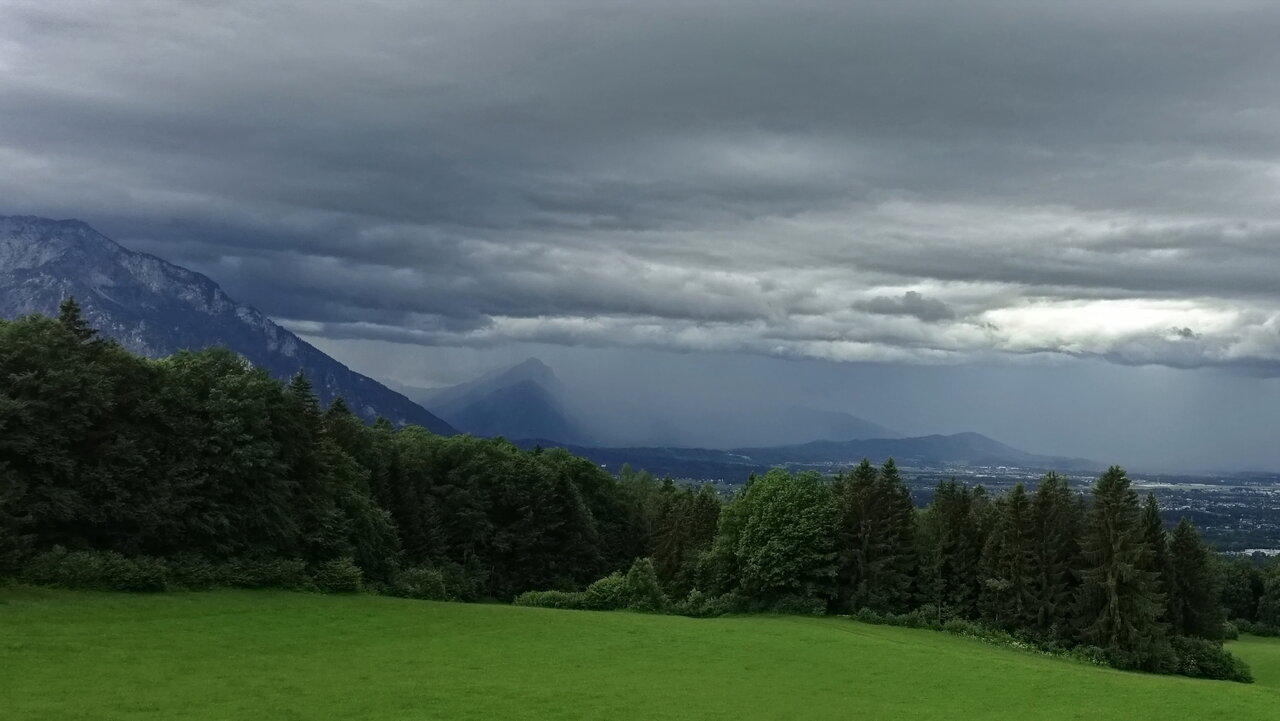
{"x": 922, "y": 181}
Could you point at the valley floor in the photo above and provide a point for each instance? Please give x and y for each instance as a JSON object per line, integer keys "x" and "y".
{"x": 272, "y": 655}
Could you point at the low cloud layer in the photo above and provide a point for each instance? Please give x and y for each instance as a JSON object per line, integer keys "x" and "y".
{"x": 916, "y": 182}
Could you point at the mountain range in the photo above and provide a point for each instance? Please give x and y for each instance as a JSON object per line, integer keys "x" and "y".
{"x": 156, "y": 308}
{"x": 528, "y": 403}
{"x": 528, "y": 400}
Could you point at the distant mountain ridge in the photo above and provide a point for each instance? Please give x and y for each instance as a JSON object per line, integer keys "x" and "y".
{"x": 523, "y": 401}
{"x": 961, "y": 449}
{"x": 972, "y": 449}
{"x": 528, "y": 400}
{"x": 156, "y": 308}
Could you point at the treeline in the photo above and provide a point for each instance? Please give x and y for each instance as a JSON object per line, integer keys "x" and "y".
{"x": 198, "y": 469}
{"x": 1095, "y": 576}
{"x": 1250, "y": 593}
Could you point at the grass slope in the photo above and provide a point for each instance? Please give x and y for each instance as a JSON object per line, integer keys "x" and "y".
{"x": 267, "y": 655}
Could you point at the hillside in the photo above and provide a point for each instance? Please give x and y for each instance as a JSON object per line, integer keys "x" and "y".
{"x": 236, "y": 655}
{"x": 155, "y": 308}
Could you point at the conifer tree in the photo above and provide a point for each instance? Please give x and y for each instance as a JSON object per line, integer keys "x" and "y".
{"x": 1006, "y": 567}
{"x": 879, "y": 538}
{"x": 301, "y": 392}
{"x": 674, "y": 534}
{"x": 1119, "y": 605}
{"x": 1157, "y": 540}
{"x": 1056, "y": 518}
{"x": 1193, "y": 587}
{"x": 853, "y": 491}
{"x": 950, "y": 548}
{"x": 72, "y": 319}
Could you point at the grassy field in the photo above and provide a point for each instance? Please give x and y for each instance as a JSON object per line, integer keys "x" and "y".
{"x": 265, "y": 655}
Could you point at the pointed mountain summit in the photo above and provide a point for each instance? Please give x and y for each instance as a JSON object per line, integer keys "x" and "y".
{"x": 452, "y": 398}
{"x": 523, "y": 401}
{"x": 156, "y": 308}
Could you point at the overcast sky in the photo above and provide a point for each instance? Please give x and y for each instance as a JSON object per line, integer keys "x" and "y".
{"x": 986, "y": 210}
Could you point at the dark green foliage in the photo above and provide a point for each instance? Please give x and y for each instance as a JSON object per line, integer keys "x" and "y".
{"x": 194, "y": 573}
{"x": 1202, "y": 658}
{"x": 784, "y": 547}
{"x": 551, "y": 599}
{"x": 1241, "y": 587}
{"x": 638, "y": 590}
{"x": 1120, "y": 607}
{"x": 420, "y": 582}
{"x": 1230, "y": 631}
{"x": 1194, "y": 657}
{"x": 641, "y": 588}
{"x": 1057, "y": 516}
{"x": 796, "y": 605}
{"x": 1257, "y": 629}
{"x": 950, "y": 549}
{"x": 201, "y": 455}
{"x": 1192, "y": 585}
{"x": 70, "y": 318}
{"x": 1157, "y": 561}
{"x": 103, "y": 570}
{"x": 1006, "y": 569}
{"x": 265, "y": 572}
{"x": 672, "y": 524}
{"x": 686, "y": 527}
{"x": 1269, "y": 600}
{"x": 608, "y": 593}
{"x": 80, "y": 434}
{"x": 338, "y": 575}
{"x": 877, "y": 539}
{"x": 1028, "y": 571}
{"x": 701, "y": 605}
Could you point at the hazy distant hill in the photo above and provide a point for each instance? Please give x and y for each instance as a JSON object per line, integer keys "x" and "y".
{"x": 524, "y": 401}
{"x": 156, "y": 308}
{"x": 961, "y": 449}
{"x": 970, "y": 449}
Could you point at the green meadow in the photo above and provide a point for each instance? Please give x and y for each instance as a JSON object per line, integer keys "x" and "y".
{"x": 275, "y": 655}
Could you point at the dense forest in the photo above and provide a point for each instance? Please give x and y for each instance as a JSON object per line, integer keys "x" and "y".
{"x": 198, "y": 470}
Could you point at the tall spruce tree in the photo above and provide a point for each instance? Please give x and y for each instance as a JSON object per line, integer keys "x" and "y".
{"x": 1194, "y": 608}
{"x": 72, "y": 319}
{"x": 1119, "y": 604}
{"x": 1157, "y": 540}
{"x": 853, "y": 491}
{"x": 950, "y": 548}
{"x": 1006, "y": 567}
{"x": 1056, "y": 518}
{"x": 879, "y": 533}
